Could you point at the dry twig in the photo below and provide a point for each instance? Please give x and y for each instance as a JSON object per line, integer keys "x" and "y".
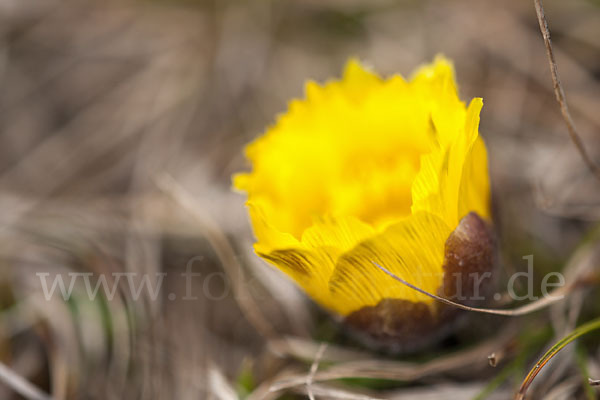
{"x": 20, "y": 384}
{"x": 335, "y": 393}
{"x": 560, "y": 93}
{"x": 404, "y": 371}
{"x": 313, "y": 370}
{"x": 224, "y": 251}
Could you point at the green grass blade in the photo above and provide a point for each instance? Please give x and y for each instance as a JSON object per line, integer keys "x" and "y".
{"x": 580, "y": 331}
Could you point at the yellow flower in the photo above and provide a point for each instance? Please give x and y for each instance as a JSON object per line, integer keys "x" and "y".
{"x": 367, "y": 170}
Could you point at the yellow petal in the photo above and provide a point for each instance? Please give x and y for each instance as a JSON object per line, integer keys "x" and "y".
{"x": 311, "y": 262}
{"x": 342, "y": 233}
{"x": 310, "y": 269}
{"x": 475, "y": 183}
{"x": 269, "y": 237}
{"x": 413, "y": 249}
{"x": 437, "y": 186}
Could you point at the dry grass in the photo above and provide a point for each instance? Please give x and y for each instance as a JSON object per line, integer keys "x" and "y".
{"x": 102, "y": 101}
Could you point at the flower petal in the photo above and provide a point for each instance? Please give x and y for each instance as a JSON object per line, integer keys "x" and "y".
{"x": 309, "y": 268}
{"x": 436, "y": 188}
{"x": 269, "y": 237}
{"x": 475, "y": 184}
{"x": 311, "y": 263}
{"x": 412, "y": 249}
{"x": 342, "y": 233}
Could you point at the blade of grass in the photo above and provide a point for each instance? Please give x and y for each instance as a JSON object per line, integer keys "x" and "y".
{"x": 582, "y": 330}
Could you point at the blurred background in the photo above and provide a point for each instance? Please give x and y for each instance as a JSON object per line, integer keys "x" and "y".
{"x": 121, "y": 123}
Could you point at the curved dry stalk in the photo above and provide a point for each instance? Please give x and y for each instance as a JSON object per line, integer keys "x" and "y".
{"x": 560, "y": 93}
{"x": 555, "y": 296}
{"x": 224, "y": 251}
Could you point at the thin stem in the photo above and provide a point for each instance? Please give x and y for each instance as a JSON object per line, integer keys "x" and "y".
{"x": 560, "y": 93}
{"x": 20, "y": 384}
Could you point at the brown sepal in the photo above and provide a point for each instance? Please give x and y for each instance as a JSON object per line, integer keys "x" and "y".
{"x": 398, "y": 325}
